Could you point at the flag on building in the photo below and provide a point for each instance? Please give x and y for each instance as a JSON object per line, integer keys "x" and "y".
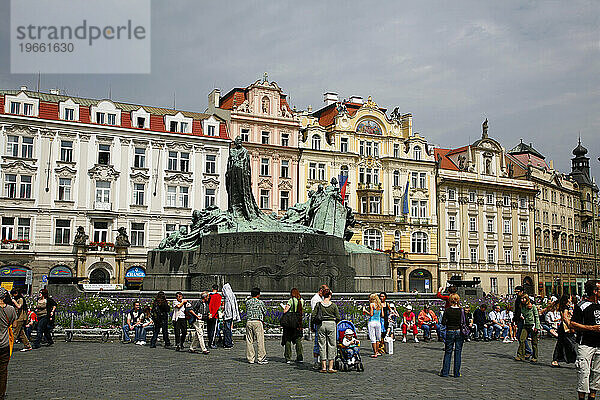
{"x": 343, "y": 180}
{"x": 405, "y": 208}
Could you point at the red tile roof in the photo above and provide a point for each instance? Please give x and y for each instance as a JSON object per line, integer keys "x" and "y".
{"x": 441, "y": 155}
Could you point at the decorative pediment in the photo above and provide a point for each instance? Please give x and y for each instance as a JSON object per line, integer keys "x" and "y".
{"x": 104, "y": 139}
{"x": 285, "y": 184}
{"x": 19, "y": 167}
{"x": 179, "y": 178}
{"x": 65, "y": 171}
{"x": 21, "y": 129}
{"x": 139, "y": 177}
{"x": 265, "y": 183}
{"x": 178, "y": 146}
{"x": 210, "y": 183}
{"x": 66, "y": 135}
{"x": 103, "y": 173}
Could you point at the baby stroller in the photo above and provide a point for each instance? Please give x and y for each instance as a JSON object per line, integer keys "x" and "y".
{"x": 347, "y": 360}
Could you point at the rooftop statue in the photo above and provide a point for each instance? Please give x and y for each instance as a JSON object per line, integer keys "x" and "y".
{"x": 323, "y": 213}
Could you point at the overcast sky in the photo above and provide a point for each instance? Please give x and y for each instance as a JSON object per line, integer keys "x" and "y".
{"x": 531, "y": 68}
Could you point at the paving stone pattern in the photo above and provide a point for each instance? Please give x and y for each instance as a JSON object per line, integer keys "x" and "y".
{"x": 93, "y": 370}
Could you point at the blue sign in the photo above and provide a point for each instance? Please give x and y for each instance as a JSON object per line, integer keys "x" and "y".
{"x": 135, "y": 272}
{"x": 44, "y": 278}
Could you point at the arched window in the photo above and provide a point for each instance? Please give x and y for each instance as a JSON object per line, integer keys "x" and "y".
{"x": 316, "y": 142}
{"x": 397, "y": 241}
{"x": 265, "y": 105}
{"x": 372, "y": 239}
{"x": 417, "y": 153}
{"x": 396, "y": 178}
{"x": 419, "y": 242}
{"x": 99, "y": 275}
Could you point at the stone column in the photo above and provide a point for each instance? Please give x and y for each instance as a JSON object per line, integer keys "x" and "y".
{"x": 120, "y": 257}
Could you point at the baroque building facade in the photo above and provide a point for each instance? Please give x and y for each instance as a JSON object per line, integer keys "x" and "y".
{"x": 261, "y": 115}
{"x": 390, "y": 173}
{"x": 69, "y": 162}
{"x": 486, "y": 219}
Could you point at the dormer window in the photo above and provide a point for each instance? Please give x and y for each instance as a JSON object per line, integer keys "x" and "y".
{"x": 69, "y": 110}
{"x": 21, "y": 104}
{"x": 99, "y": 118}
{"x": 140, "y": 119}
{"x": 15, "y": 107}
{"x": 27, "y": 109}
{"x": 111, "y": 119}
{"x": 417, "y": 153}
{"x": 211, "y": 130}
{"x": 105, "y": 113}
{"x": 68, "y": 114}
{"x": 178, "y": 123}
{"x": 141, "y": 122}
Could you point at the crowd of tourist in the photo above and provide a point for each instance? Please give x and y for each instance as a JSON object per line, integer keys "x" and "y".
{"x": 573, "y": 322}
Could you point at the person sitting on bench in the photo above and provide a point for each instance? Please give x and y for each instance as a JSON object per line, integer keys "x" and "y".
{"x": 133, "y": 320}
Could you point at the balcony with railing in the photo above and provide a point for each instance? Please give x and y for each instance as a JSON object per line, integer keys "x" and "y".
{"x": 15, "y": 244}
{"x": 104, "y": 247}
{"x": 377, "y": 187}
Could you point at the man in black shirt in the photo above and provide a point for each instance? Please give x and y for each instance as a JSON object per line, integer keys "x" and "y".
{"x": 480, "y": 319}
{"x": 586, "y": 320}
{"x": 518, "y": 319}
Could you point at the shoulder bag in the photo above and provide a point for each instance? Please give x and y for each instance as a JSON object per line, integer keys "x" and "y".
{"x": 464, "y": 327}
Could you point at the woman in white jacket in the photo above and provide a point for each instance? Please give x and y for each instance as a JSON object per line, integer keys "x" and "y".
{"x": 231, "y": 314}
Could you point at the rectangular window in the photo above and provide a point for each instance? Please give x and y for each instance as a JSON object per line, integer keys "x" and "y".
{"x": 25, "y": 188}
{"x": 285, "y": 169}
{"x": 211, "y": 164}
{"x": 523, "y": 227}
{"x": 23, "y": 228}
{"x": 64, "y": 189}
{"x": 397, "y": 207}
{"x": 170, "y": 228}
{"x": 112, "y": 119}
{"x": 312, "y": 171}
{"x": 15, "y": 107}
{"x": 494, "y": 285}
{"x": 321, "y": 172}
{"x": 183, "y": 127}
{"x": 210, "y": 197}
{"x": 137, "y": 234}
{"x": 173, "y": 126}
{"x": 102, "y": 192}
{"x": 211, "y": 130}
{"x": 12, "y": 146}
{"x": 423, "y": 180}
{"x": 508, "y": 256}
{"x": 473, "y": 255}
{"x": 524, "y": 255}
{"x": 423, "y": 209}
{"x": 472, "y": 197}
{"x": 451, "y": 194}
{"x": 344, "y": 145}
{"x": 171, "y": 196}
{"x": 511, "y": 285}
{"x": 490, "y": 225}
{"x": 361, "y": 147}
{"x": 27, "y": 147}
{"x": 452, "y": 222}
{"x": 139, "y": 159}
{"x": 27, "y": 109}
{"x": 172, "y": 161}
{"x": 10, "y": 186}
{"x": 452, "y": 254}
{"x": 284, "y": 200}
{"x": 285, "y": 139}
{"x": 103, "y": 154}
{"x": 184, "y": 162}
{"x": 66, "y": 151}
{"x": 414, "y": 209}
{"x": 264, "y": 199}
{"x": 100, "y": 231}
{"x": 507, "y": 225}
{"x": 396, "y": 150}
{"x": 184, "y": 198}
{"x": 264, "y": 166}
{"x": 396, "y": 178}
{"x": 8, "y": 228}
{"x": 99, "y": 118}
{"x": 523, "y": 202}
{"x": 264, "y": 137}
{"x": 141, "y": 122}
{"x": 376, "y": 176}
{"x": 506, "y": 201}
{"x": 374, "y": 204}
{"x": 414, "y": 179}
{"x": 62, "y": 234}
{"x": 376, "y": 150}
{"x": 489, "y": 198}
{"x": 69, "y": 114}
{"x": 369, "y": 147}
{"x": 245, "y": 135}
{"x": 491, "y": 255}
{"x": 138, "y": 194}
{"x": 364, "y": 205}
{"x": 472, "y": 224}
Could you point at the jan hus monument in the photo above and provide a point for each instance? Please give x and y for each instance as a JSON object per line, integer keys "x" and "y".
{"x": 247, "y": 248}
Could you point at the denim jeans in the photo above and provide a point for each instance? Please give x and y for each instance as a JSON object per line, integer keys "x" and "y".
{"x": 519, "y": 329}
{"x": 487, "y": 332}
{"x": 126, "y": 330}
{"x": 442, "y": 332}
{"x": 227, "y": 337}
{"x": 427, "y": 330}
{"x": 140, "y": 332}
{"x": 158, "y": 326}
{"x": 454, "y": 341}
{"x": 44, "y": 329}
{"x": 500, "y": 331}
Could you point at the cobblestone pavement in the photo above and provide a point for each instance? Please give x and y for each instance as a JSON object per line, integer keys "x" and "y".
{"x": 94, "y": 370}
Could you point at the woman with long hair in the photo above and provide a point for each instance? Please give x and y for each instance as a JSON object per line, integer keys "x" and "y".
{"x": 46, "y": 311}
{"x": 160, "y": 317}
{"x": 566, "y": 346}
{"x": 374, "y": 324}
{"x": 292, "y": 334}
{"x": 22, "y": 316}
{"x": 453, "y": 342}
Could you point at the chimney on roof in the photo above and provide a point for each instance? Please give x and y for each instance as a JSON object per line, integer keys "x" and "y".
{"x": 55, "y": 91}
{"x": 551, "y": 164}
{"x": 214, "y": 98}
{"x": 23, "y": 87}
{"x": 356, "y": 99}
{"x": 330, "y": 98}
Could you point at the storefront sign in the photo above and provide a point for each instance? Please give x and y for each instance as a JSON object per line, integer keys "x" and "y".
{"x": 135, "y": 272}
{"x": 14, "y": 272}
{"x": 102, "y": 286}
{"x": 61, "y": 271}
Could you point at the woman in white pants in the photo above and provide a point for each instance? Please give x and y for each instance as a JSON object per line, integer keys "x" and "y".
{"x": 374, "y": 324}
